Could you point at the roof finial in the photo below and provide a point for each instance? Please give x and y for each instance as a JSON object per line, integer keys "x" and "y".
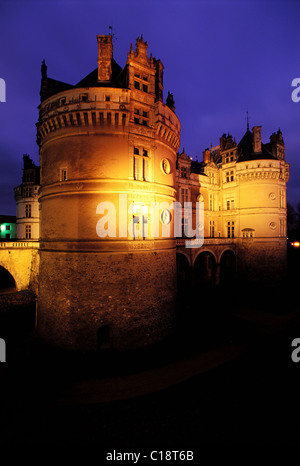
{"x": 247, "y": 120}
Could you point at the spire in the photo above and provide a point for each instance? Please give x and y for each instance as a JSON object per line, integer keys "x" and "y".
{"x": 44, "y": 69}
{"x": 247, "y": 117}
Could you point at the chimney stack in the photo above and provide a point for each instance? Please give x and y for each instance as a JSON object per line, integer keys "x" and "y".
{"x": 105, "y": 54}
{"x": 256, "y": 138}
{"x": 206, "y": 156}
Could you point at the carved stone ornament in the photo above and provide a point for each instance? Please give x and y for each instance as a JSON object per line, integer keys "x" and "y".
{"x": 166, "y": 167}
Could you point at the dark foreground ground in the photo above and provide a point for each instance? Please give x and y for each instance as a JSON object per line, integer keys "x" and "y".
{"x": 229, "y": 380}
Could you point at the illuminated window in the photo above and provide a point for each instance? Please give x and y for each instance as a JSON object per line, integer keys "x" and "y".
{"x": 27, "y": 210}
{"x": 28, "y": 231}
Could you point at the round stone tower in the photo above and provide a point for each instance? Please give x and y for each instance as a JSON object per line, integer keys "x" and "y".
{"x": 108, "y": 159}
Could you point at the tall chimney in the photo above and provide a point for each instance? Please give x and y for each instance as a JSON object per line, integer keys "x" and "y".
{"x": 206, "y": 156}
{"x": 256, "y": 138}
{"x": 105, "y": 54}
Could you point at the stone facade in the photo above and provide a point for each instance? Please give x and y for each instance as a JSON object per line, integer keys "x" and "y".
{"x": 110, "y": 134}
{"x": 110, "y": 140}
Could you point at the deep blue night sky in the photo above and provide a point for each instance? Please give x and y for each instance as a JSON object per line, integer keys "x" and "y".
{"x": 221, "y": 58}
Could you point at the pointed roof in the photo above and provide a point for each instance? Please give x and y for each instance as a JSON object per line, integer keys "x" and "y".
{"x": 51, "y": 86}
{"x": 246, "y": 151}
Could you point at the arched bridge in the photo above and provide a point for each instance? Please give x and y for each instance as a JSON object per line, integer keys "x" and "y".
{"x": 19, "y": 265}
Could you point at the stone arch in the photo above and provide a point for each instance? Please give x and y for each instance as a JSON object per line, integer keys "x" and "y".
{"x": 227, "y": 267}
{"x": 7, "y": 281}
{"x": 205, "y": 266}
{"x": 183, "y": 272}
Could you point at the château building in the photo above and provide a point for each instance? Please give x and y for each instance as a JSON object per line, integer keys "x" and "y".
{"x": 109, "y": 152}
{"x": 27, "y": 197}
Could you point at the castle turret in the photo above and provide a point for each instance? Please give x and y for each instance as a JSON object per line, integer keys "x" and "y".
{"x": 107, "y": 152}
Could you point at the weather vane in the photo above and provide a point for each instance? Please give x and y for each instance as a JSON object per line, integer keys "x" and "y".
{"x": 111, "y": 33}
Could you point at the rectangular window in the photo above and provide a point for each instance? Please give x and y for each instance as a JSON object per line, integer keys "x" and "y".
{"x": 145, "y": 88}
{"x": 84, "y": 97}
{"x": 71, "y": 119}
{"x": 28, "y": 192}
{"x": 101, "y": 118}
{"x": 184, "y": 196}
{"x": 94, "y": 118}
{"x": 109, "y": 118}
{"x": 212, "y": 229}
{"x": 28, "y": 231}
{"x": 136, "y": 84}
{"x": 86, "y": 118}
{"x": 230, "y": 229}
{"x": 136, "y": 167}
{"x": 123, "y": 119}
{"x": 28, "y": 210}
{"x": 107, "y": 98}
{"x": 136, "y": 120}
{"x": 7, "y": 227}
{"x": 116, "y": 119}
{"x": 183, "y": 172}
{"x": 212, "y": 202}
{"x": 145, "y": 169}
{"x": 63, "y": 175}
